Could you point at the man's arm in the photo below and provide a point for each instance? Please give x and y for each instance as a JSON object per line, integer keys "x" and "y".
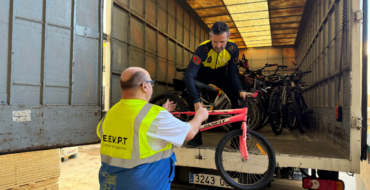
{"x": 169, "y": 129}
{"x": 191, "y": 72}
{"x": 195, "y": 63}
{"x": 200, "y": 116}
{"x": 233, "y": 73}
{"x": 233, "y": 70}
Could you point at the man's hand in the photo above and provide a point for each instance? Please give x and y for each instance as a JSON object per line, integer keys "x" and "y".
{"x": 202, "y": 113}
{"x": 244, "y": 94}
{"x": 169, "y": 106}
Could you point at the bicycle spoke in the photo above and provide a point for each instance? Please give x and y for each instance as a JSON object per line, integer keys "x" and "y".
{"x": 246, "y": 172}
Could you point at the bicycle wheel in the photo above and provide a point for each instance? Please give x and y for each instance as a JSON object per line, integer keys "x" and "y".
{"x": 291, "y": 120}
{"x": 255, "y": 113}
{"x": 305, "y": 116}
{"x": 276, "y": 119}
{"x": 261, "y": 105}
{"x": 253, "y": 116}
{"x": 264, "y": 121}
{"x": 298, "y": 110}
{"x": 224, "y": 106}
{"x": 255, "y": 173}
{"x": 263, "y": 101}
{"x": 180, "y": 106}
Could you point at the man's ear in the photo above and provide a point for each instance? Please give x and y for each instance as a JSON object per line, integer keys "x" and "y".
{"x": 144, "y": 86}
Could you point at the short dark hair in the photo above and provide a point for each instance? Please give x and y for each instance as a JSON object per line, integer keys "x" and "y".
{"x": 134, "y": 82}
{"x": 219, "y": 28}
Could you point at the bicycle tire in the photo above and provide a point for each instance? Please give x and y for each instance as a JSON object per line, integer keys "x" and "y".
{"x": 264, "y": 120}
{"x": 263, "y": 102}
{"x": 276, "y": 120}
{"x": 257, "y": 114}
{"x": 162, "y": 98}
{"x": 298, "y": 111}
{"x": 263, "y": 111}
{"x": 225, "y": 104}
{"x": 290, "y": 115}
{"x": 304, "y": 116}
{"x": 307, "y": 120}
{"x": 267, "y": 176}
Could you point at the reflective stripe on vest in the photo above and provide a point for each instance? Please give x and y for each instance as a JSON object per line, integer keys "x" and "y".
{"x": 119, "y": 162}
{"x": 135, "y": 156}
{"x": 101, "y": 127}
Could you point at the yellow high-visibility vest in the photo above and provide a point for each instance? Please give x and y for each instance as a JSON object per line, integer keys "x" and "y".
{"x": 123, "y": 130}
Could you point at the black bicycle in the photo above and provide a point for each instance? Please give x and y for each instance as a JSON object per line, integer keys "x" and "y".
{"x": 287, "y": 105}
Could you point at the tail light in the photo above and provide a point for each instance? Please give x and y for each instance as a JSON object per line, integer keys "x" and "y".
{"x": 322, "y": 184}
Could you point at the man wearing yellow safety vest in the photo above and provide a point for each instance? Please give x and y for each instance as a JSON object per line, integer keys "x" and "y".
{"x": 137, "y": 137}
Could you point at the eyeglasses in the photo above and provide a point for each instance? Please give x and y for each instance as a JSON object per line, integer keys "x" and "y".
{"x": 151, "y": 82}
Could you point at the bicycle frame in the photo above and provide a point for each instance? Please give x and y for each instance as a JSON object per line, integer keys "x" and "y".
{"x": 220, "y": 97}
{"x": 239, "y": 115}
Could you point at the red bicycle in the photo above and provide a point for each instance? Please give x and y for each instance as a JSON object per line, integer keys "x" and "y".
{"x": 243, "y": 157}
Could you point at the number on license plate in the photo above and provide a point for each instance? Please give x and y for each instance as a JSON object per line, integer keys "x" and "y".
{"x": 206, "y": 179}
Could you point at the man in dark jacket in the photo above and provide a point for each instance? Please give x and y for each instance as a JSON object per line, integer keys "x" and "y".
{"x": 215, "y": 62}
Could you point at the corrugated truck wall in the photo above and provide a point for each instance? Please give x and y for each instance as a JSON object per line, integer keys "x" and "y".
{"x": 318, "y": 50}
{"x": 50, "y": 73}
{"x": 156, "y": 35}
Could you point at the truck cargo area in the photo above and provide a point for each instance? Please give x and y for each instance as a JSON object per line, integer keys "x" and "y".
{"x": 290, "y": 142}
{"x": 61, "y": 66}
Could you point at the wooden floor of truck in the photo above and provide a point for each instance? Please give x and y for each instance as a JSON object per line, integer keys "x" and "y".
{"x": 290, "y": 142}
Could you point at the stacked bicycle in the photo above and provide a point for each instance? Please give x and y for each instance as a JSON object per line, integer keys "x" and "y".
{"x": 287, "y": 106}
{"x": 262, "y": 87}
{"x": 211, "y": 97}
{"x": 279, "y": 97}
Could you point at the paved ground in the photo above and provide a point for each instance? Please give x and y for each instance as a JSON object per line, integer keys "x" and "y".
{"x": 82, "y": 173}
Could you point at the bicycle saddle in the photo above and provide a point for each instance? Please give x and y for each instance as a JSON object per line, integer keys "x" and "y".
{"x": 265, "y": 89}
{"x": 200, "y": 85}
{"x": 181, "y": 69}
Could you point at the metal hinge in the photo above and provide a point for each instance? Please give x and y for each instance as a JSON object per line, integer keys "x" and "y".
{"x": 200, "y": 157}
{"x": 357, "y": 123}
{"x": 358, "y": 16}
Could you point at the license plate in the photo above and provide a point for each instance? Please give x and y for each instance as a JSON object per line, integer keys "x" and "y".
{"x": 210, "y": 180}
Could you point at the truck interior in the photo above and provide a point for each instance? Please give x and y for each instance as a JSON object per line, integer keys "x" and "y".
{"x": 267, "y": 32}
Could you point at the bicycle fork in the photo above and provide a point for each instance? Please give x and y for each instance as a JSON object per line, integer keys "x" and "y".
{"x": 243, "y": 138}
